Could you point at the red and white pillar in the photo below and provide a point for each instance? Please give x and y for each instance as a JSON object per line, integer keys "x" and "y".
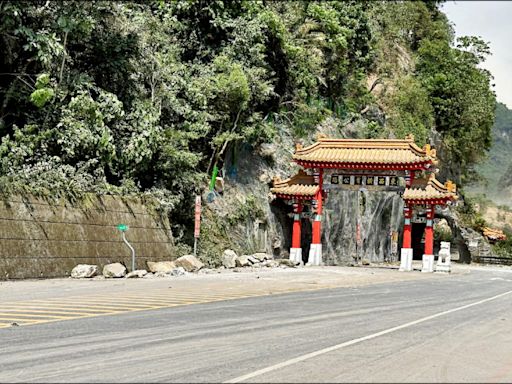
{"x": 315, "y": 251}
{"x": 296, "y": 250}
{"x": 428, "y": 256}
{"x": 406, "y": 252}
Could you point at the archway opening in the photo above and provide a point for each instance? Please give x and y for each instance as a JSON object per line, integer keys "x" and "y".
{"x": 418, "y": 241}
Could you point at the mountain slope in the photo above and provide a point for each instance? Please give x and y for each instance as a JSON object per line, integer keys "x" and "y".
{"x": 497, "y": 168}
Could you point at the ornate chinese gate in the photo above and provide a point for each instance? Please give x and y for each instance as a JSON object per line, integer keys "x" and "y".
{"x": 375, "y": 165}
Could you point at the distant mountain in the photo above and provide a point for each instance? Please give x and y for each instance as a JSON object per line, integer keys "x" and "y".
{"x": 497, "y": 169}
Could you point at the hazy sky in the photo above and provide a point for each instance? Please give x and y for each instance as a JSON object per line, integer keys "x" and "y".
{"x": 490, "y": 20}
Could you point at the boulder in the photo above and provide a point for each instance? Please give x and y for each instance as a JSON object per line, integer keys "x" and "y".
{"x": 160, "y": 274}
{"x": 243, "y": 261}
{"x": 270, "y": 263}
{"x": 179, "y": 271}
{"x": 253, "y": 260}
{"x": 229, "y": 258}
{"x": 262, "y": 256}
{"x": 84, "y": 271}
{"x": 189, "y": 262}
{"x": 137, "y": 273}
{"x": 149, "y": 275}
{"x": 161, "y": 266}
{"x": 286, "y": 262}
{"x": 114, "y": 270}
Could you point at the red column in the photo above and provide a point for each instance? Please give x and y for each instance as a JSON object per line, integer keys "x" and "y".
{"x": 296, "y": 225}
{"x": 429, "y": 231}
{"x": 315, "y": 251}
{"x": 317, "y": 223}
{"x": 407, "y": 226}
{"x": 406, "y": 251}
{"x": 409, "y": 178}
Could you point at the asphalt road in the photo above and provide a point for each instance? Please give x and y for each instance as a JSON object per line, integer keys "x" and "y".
{"x": 454, "y": 329}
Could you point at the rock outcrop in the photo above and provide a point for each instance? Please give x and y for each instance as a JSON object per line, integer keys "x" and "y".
{"x": 478, "y": 246}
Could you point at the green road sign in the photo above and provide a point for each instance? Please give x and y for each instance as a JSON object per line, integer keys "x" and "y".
{"x": 122, "y": 227}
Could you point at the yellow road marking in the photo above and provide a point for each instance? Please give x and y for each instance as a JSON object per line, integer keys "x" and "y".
{"x": 80, "y": 307}
{"x": 112, "y": 307}
{"x": 65, "y": 305}
{"x": 6, "y": 316}
{"x": 51, "y": 307}
{"x": 3, "y": 325}
{"x": 8, "y": 311}
{"x": 109, "y": 302}
{"x": 174, "y": 297}
{"x": 131, "y": 298}
{"x": 17, "y": 320}
{"x": 143, "y": 301}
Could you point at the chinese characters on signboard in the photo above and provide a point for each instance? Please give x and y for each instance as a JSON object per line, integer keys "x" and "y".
{"x": 382, "y": 181}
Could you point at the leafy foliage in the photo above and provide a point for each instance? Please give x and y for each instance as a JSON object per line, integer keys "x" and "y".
{"x": 146, "y": 97}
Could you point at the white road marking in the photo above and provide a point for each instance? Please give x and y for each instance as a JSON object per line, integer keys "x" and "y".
{"x": 356, "y": 341}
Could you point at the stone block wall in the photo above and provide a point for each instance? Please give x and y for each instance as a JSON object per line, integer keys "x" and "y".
{"x": 39, "y": 240}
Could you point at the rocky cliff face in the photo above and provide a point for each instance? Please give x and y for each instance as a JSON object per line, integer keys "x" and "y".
{"x": 379, "y": 214}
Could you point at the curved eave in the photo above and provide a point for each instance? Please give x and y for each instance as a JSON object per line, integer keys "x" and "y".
{"x": 399, "y": 144}
{"x": 417, "y": 166}
{"x": 295, "y": 191}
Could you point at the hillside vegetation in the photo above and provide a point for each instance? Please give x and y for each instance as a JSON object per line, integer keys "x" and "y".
{"x": 146, "y": 97}
{"x": 496, "y": 171}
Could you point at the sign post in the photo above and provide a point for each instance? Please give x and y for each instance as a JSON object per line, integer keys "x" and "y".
{"x": 123, "y": 228}
{"x": 197, "y": 222}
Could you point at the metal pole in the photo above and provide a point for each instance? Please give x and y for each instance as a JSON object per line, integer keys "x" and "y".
{"x": 195, "y": 246}
{"x": 131, "y": 248}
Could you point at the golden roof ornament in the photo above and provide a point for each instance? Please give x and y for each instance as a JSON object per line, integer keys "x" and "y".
{"x": 410, "y": 137}
{"x": 320, "y": 136}
{"x": 450, "y": 186}
{"x": 298, "y": 146}
{"x": 431, "y": 152}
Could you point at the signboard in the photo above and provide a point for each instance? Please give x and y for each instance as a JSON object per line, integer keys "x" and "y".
{"x": 355, "y": 181}
{"x": 122, "y": 227}
{"x": 197, "y": 222}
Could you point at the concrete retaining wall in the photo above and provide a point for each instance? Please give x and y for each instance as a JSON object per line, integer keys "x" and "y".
{"x": 42, "y": 240}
